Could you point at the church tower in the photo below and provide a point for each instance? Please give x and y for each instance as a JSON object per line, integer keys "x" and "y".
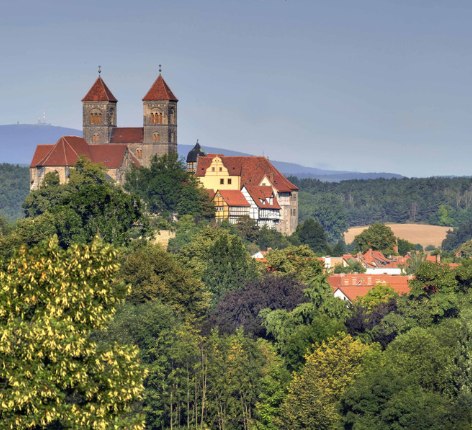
{"x": 159, "y": 119}
{"x": 99, "y": 113}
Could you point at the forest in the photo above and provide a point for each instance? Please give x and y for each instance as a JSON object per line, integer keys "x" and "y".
{"x": 103, "y": 328}
{"x": 340, "y": 205}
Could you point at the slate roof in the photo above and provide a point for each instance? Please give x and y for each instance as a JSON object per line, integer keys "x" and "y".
{"x": 99, "y": 93}
{"x": 160, "y": 91}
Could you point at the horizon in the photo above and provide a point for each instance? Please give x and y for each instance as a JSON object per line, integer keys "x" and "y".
{"x": 370, "y": 87}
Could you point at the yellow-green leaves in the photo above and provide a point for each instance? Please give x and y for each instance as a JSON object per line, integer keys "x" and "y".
{"x": 51, "y": 300}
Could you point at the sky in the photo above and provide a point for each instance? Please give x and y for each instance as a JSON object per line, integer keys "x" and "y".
{"x": 365, "y": 85}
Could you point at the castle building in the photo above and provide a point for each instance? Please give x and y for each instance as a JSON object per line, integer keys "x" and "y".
{"x": 247, "y": 186}
{"x": 239, "y": 186}
{"x": 104, "y": 142}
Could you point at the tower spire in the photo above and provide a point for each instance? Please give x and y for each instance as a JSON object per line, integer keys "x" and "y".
{"x": 99, "y": 70}
{"x": 160, "y": 68}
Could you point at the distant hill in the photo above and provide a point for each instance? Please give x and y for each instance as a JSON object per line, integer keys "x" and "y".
{"x": 18, "y": 142}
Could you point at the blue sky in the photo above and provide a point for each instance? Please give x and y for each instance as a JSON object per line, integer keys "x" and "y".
{"x": 350, "y": 85}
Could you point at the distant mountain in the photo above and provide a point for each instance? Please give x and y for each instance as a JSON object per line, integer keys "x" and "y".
{"x": 18, "y": 142}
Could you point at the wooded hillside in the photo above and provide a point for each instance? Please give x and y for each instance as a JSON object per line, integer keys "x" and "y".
{"x": 14, "y": 187}
{"x": 337, "y": 206}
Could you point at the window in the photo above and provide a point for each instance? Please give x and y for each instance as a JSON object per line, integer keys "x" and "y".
{"x": 229, "y": 181}
{"x": 212, "y": 169}
{"x": 222, "y": 181}
{"x": 95, "y": 138}
{"x": 139, "y": 153}
{"x": 221, "y": 169}
{"x": 156, "y": 117}
{"x": 172, "y": 116}
{"x": 156, "y": 137}
{"x": 95, "y": 117}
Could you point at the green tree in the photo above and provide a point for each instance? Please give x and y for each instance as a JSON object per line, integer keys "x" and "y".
{"x": 88, "y": 205}
{"x": 167, "y": 188}
{"x": 298, "y": 261}
{"x": 381, "y": 293}
{"x": 154, "y": 274}
{"x": 353, "y": 266}
{"x": 170, "y": 349}
{"x": 219, "y": 259}
{"x": 312, "y": 234}
{"x": 314, "y": 393}
{"x": 378, "y": 237}
{"x": 51, "y": 371}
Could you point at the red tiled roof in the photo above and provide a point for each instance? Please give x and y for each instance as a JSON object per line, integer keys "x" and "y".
{"x": 40, "y": 152}
{"x": 354, "y": 292}
{"x": 127, "y": 135}
{"x": 110, "y": 155}
{"x": 160, "y": 91}
{"x": 68, "y": 149}
{"x": 233, "y": 198}
{"x": 211, "y": 193}
{"x": 252, "y": 170}
{"x": 398, "y": 282}
{"x": 99, "y": 93}
{"x": 65, "y": 152}
{"x": 260, "y": 194}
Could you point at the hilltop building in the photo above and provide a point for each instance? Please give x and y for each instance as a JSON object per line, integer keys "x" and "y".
{"x": 104, "y": 142}
{"x": 247, "y": 186}
{"x": 239, "y": 186}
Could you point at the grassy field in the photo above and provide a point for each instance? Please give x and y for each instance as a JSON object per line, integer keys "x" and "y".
{"x": 415, "y": 233}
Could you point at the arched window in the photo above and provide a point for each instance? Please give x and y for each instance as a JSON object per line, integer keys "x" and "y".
{"x": 95, "y": 117}
{"x": 172, "y": 116}
{"x": 156, "y": 117}
{"x": 139, "y": 153}
{"x": 95, "y": 138}
{"x": 156, "y": 137}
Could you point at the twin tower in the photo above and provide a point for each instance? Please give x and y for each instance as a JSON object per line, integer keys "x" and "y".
{"x": 158, "y": 136}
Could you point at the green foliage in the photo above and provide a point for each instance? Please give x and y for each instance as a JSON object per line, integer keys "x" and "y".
{"x": 297, "y": 261}
{"x": 170, "y": 351}
{"x": 404, "y": 247}
{"x": 378, "y": 237}
{"x": 167, "y": 188}
{"x": 311, "y": 322}
{"x": 14, "y": 183}
{"x": 154, "y": 274}
{"x": 327, "y": 209}
{"x": 88, "y": 205}
{"x": 354, "y": 202}
{"x": 219, "y": 259}
{"x": 353, "y": 266}
{"x": 314, "y": 393}
{"x": 412, "y": 386}
{"x": 381, "y": 293}
{"x": 459, "y": 235}
{"x": 312, "y": 234}
{"x": 465, "y": 250}
{"x": 52, "y": 372}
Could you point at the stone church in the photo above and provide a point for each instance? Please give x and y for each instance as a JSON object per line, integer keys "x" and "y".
{"x": 104, "y": 142}
{"x": 247, "y": 186}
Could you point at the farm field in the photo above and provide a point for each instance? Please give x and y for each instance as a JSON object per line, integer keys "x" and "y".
{"x": 423, "y": 234}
